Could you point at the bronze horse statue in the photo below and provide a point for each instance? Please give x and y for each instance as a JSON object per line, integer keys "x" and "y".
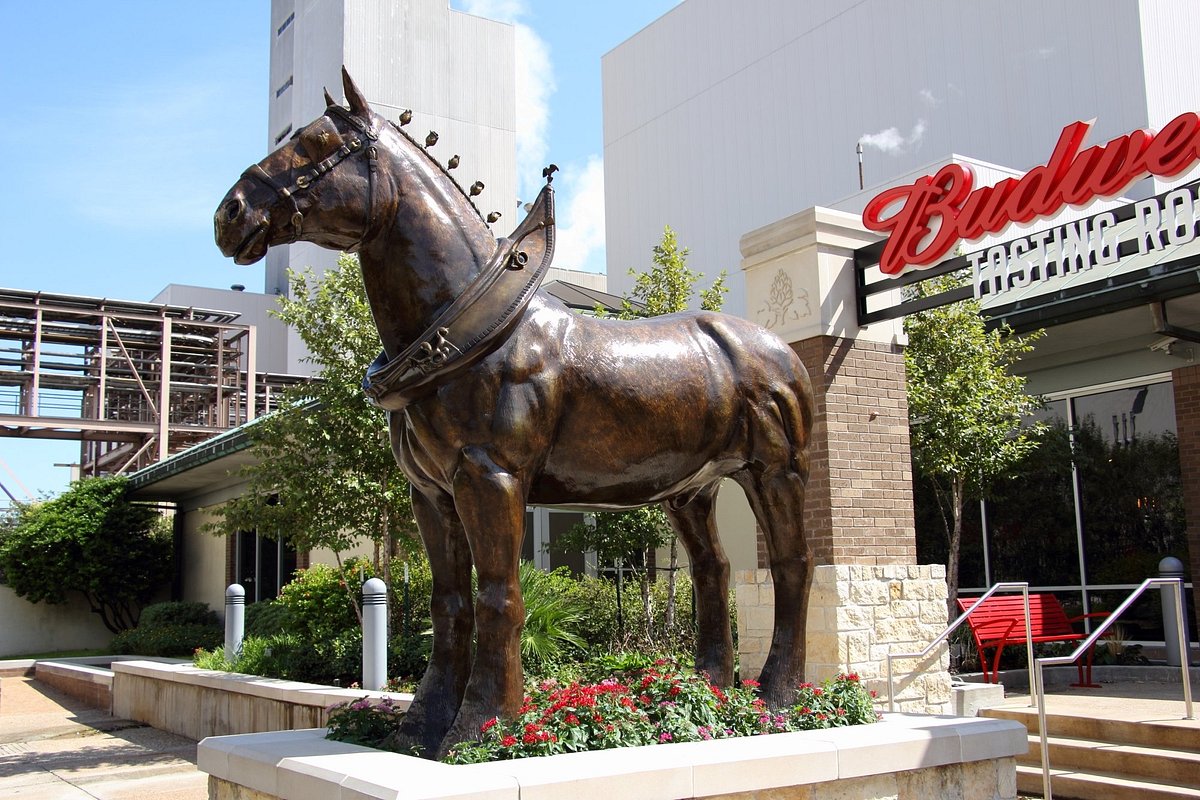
{"x": 499, "y": 396}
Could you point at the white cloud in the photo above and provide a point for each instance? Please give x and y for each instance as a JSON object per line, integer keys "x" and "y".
{"x": 579, "y": 239}
{"x": 928, "y": 98}
{"x": 891, "y": 141}
{"x": 535, "y": 85}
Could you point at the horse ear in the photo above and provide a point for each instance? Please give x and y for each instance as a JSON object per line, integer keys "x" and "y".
{"x": 358, "y": 103}
{"x": 329, "y": 99}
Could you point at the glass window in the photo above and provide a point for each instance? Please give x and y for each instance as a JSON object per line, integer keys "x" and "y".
{"x": 1031, "y": 511}
{"x": 262, "y": 565}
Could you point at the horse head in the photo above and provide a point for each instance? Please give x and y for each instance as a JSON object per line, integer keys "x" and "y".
{"x": 314, "y": 187}
{"x": 351, "y": 180}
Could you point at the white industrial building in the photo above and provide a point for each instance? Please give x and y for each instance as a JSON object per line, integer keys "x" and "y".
{"x": 722, "y": 117}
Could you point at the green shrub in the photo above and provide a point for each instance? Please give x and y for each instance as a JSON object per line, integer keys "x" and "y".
{"x": 408, "y": 656}
{"x": 161, "y": 615}
{"x": 167, "y": 640}
{"x": 267, "y": 618}
{"x": 320, "y": 599}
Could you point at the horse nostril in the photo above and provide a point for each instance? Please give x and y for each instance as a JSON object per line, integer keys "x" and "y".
{"x": 233, "y": 209}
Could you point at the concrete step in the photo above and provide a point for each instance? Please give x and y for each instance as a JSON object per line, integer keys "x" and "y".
{"x": 1143, "y": 733}
{"x": 1099, "y": 786}
{"x": 1172, "y": 765}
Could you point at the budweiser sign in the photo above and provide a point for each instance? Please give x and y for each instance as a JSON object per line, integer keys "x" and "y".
{"x": 924, "y": 220}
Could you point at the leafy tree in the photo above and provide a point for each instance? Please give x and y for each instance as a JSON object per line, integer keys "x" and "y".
{"x": 325, "y": 475}
{"x": 621, "y": 537}
{"x": 91, "y": 539}
{"x": 965, "y": 406}
{"x": 669, "y": 285}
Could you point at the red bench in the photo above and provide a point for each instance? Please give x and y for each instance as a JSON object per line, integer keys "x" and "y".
{"x": 1001, "y": 622}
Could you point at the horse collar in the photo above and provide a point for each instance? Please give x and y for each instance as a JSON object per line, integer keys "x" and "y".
{"x": 478, "y": 321}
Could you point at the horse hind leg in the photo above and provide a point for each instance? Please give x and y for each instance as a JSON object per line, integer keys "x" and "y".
{"x": 695, "y": 522}
{"x": 441, "y": 690}
{"x": 777, "y": 497}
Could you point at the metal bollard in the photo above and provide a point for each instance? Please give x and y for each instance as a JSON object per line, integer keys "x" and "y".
{"x": 374, "y": 634}
{"x": 1171, "y": 567}
{"x": 235, "y": 620}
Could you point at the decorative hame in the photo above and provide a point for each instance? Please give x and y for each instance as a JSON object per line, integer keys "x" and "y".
{"x": 499, "y": 396}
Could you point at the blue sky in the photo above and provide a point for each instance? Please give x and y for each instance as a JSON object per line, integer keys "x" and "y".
{"x": 125, "y": 122}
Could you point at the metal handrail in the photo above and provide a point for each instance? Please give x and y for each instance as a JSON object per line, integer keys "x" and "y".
{"x": 1176, "y": 585}
{"x": 1011, "y": 586}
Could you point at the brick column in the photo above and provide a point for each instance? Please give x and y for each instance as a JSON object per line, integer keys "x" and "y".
{"x": 1186, "y": 383}
{"x": 869, "y": 596}
{"x": 858, "y": 509}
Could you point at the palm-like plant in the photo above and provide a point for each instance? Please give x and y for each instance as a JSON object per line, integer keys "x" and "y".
{"x": 550, "y": 619}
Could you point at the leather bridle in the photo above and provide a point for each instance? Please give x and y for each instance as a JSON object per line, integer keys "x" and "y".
{"x": 306, "y": 179}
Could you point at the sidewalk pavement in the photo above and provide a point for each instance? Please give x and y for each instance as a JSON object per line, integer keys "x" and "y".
{"x": 53, "y": 747}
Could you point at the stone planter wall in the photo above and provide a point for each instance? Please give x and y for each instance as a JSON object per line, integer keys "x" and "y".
{"x": 906, "y": 757}
{"x": 197, "y": 703}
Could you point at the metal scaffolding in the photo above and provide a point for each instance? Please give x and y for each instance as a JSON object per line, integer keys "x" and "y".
{"x": 133, "y": 382}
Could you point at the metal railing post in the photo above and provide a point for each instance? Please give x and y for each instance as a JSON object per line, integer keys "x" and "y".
{"x": 999, "y": 587}
{"x": 1176, "y": 585}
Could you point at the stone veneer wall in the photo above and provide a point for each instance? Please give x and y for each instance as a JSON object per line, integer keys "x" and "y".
{"x": 857, "y": 614}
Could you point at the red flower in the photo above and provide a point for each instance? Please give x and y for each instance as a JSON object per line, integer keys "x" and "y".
{"x": 674, "y": 691}
{"x": 487, "y": 726}
{"x": 508, "y": 741}
{"x": 531, "y": 727}
{"x": 572, "y": 719}
{"x": 751, "y": 684}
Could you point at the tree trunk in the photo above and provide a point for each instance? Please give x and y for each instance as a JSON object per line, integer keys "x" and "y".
{"x": 355, "y": 597}
{"x": 669, "y": 616}
{"x": 957, "y": 487}
{"x": 647, "y": 605}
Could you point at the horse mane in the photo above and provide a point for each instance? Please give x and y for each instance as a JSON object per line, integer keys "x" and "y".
{"x": 421, "y": 149}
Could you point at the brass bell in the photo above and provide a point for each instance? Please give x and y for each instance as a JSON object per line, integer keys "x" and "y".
{"x": 406, "y": 116}
{"x": 431, "y": 139}
{"x": 492, "y": 217}
{"x": 453, "y": 162}
{"x": 476, "y": 188}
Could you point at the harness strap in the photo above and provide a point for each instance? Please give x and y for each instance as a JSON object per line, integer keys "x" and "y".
{"x": 320, "y": 169}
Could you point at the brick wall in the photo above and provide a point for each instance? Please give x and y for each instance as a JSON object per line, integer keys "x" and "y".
{"x": 1186, "y": 382}
{"x": 858, "y": 508}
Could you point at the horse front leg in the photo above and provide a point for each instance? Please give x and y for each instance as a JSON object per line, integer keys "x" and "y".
{"x": 491, "y": 505}
{"x": 441, "y": 689}
{"x": 695, "y": 522}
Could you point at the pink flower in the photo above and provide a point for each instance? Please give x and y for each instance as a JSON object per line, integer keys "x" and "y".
{"x": 665, "y": 736}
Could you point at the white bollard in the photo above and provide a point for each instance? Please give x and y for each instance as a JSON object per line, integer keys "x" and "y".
{"x": 1171, "y": 567}
{"x": 235, "y": 620}
{"x": 374, "y": 634}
